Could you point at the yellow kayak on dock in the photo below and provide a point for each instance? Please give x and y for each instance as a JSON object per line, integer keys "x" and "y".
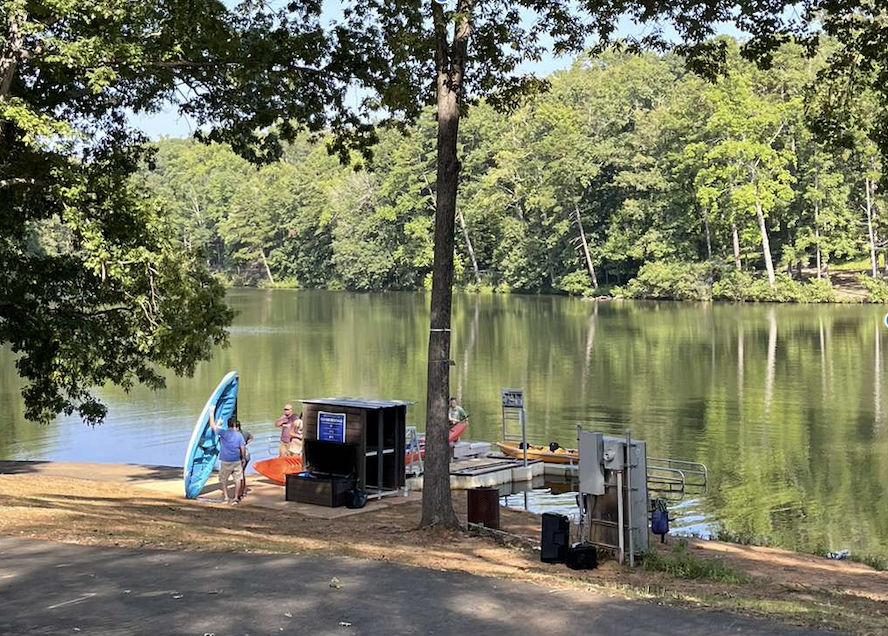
{"x": 541, "y": 453}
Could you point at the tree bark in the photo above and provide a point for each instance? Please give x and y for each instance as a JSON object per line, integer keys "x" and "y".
{"x": 708, "y": 236}
{"x": 817, "y": 224}
{"x": 585, "y": 245}
{"x": 736, "y": 237}
{"x": 10, "y": 56}
{"x": 469, "y": 248}
{"x": 450, "y": 61}
{"x": 766, "y": 245}
{"x": 869, "y": 226}
{"x": 267, "y": 268}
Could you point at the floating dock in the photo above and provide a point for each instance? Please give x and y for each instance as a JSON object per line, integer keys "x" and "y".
{"x": 494, "y": 469}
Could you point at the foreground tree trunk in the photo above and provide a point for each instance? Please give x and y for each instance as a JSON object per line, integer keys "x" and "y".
{"x": 450, "y": 60}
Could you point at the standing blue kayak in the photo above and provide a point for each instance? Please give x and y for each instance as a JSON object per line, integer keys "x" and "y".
{"x": 203, "y": 449}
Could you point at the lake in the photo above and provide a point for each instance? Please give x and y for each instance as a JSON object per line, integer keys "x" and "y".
{"x": 784, "y": 404}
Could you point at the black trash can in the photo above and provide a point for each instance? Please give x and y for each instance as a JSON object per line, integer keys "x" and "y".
{"x": 484, "y": 507}
{"x": 555, "y": 538}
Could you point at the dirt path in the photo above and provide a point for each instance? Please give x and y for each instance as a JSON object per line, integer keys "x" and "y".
{"x": 794, "y": 588}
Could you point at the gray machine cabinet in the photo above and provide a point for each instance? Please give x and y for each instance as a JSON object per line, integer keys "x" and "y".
{"x": 592, "y": 478}
{"x": 601, "y": 457}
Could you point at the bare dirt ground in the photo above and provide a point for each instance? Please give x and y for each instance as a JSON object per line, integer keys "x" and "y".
{"x": 794, "y": 588}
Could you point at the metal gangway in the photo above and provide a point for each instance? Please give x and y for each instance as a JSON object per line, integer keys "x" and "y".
{"x": 672, "y": 479}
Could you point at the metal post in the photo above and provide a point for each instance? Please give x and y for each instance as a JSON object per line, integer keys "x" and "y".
{"x": 524, "y": 436}
{"x": 620, "y": 515}
{"x": 581, "y": 496}
{"x": 628, "y": 470}
{"x": 379, "y": 455}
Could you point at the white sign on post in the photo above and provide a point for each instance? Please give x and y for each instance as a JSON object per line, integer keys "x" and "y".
{"x": 513, "y": 398}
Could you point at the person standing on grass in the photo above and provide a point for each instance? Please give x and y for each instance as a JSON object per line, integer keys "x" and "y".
{"x": 231, "y": 457}
{"x": 286, "y": 423}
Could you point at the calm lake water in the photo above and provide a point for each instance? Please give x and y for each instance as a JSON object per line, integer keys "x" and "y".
{"x": 785, "y": 404}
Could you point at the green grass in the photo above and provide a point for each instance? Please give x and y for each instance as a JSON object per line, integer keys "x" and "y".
{"x": 875, "y": 561}
{"x": 862, "y": 263}
{"x": 682, "y": 564}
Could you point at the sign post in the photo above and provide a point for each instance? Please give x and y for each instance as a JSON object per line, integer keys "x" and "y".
{"x": 513, "y": 410}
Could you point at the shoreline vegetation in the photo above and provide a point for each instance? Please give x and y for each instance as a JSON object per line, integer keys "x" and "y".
{"x": 701, "y": 282}
{"x": 765, "y": 582}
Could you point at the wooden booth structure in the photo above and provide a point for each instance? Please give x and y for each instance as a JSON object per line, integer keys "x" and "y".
{"x": 350, "y": 444}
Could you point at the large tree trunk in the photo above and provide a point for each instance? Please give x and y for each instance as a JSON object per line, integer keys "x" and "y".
{"x": 870, "y": 227}
{"x": 585, "y": 245}
{"x": 469, "y": 248}
{"x": 437, "y": 504}
{"x": 736, "y": 239}
{"x": 766, "y": 244}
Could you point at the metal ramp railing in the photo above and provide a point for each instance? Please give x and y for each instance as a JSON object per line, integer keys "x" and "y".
{"x": 673, "y": 478}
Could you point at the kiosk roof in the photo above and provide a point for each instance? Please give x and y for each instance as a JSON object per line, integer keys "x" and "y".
{"x": 359, "y": 403}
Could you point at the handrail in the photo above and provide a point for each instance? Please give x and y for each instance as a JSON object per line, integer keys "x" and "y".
{"x": 698, "y": 471}
{"x": 671, "y": 484}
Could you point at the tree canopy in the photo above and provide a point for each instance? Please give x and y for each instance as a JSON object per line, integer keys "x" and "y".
{"x": 647, "y": 156}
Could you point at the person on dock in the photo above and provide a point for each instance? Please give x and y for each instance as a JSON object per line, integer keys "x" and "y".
{"x": 287, "y": 424}
{"x": 231, "y": 457}
{"x": 456, "y": 414}
{"x": 296, "y": 436}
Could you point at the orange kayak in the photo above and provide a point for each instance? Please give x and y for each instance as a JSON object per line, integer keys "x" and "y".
{"x": 453, "y": 438}
{"x": 277, "y": 468}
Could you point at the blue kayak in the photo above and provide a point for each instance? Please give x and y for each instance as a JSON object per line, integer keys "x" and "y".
{"x": 203, "y": 449}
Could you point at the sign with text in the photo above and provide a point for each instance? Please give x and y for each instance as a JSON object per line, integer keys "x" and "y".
{"x": 331, "y": 427}
{"x": 513, "y": 398}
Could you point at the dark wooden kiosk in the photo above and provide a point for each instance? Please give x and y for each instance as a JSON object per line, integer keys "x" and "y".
{"x": 350, "y": 444}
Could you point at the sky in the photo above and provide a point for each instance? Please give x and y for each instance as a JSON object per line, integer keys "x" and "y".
{"x": 168, "y": 122}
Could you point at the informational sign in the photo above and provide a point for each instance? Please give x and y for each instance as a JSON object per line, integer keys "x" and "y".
{"x": 513, "y": 398}
{"x": 331, "y": 427}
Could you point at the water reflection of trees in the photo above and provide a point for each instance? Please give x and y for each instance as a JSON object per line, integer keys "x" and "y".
{"x": 783, "y": 403}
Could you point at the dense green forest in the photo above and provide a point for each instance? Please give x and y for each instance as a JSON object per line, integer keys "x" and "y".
{"x": 631, "y": 174}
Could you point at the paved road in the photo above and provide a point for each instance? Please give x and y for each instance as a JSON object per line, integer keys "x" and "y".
{"x": 49, "y": 588}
